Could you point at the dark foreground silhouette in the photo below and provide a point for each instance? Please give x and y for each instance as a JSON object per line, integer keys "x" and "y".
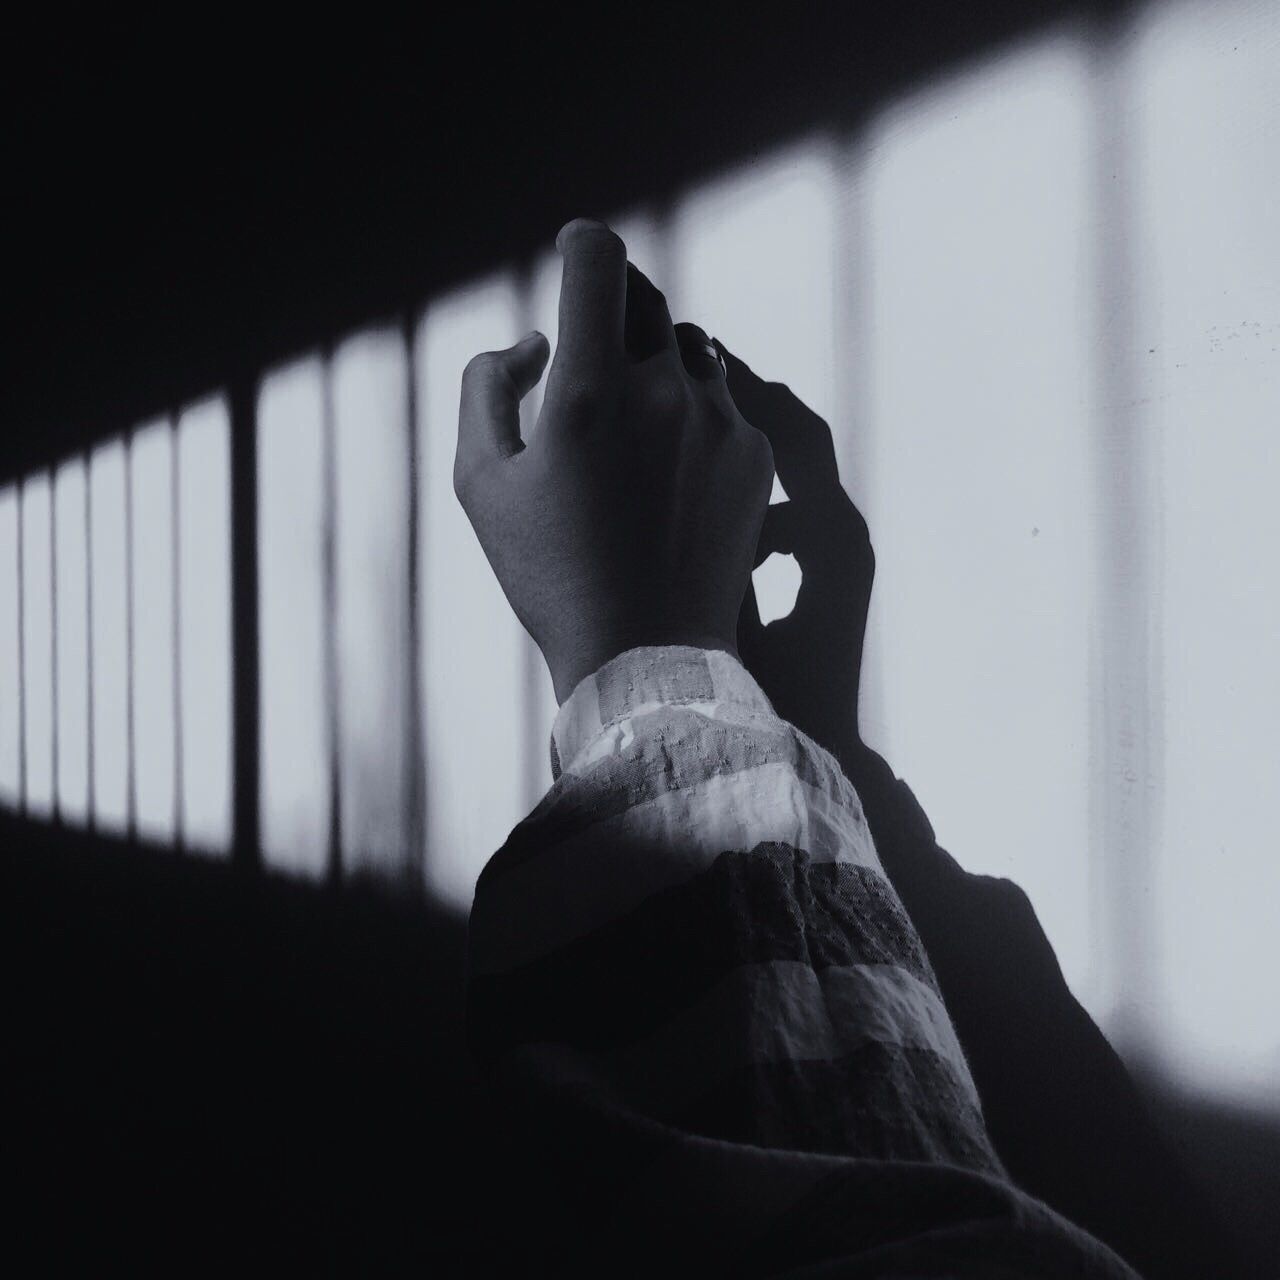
{"x": 205, "y": 1066}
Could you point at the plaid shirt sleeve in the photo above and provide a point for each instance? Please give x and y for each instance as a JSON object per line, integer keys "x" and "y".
{"x": 689, "y": 954}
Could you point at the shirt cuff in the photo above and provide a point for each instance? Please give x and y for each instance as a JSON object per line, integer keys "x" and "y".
{"x": 644, "y": 679}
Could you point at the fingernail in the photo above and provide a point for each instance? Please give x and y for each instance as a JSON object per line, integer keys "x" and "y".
{"x": 529, "y": 337}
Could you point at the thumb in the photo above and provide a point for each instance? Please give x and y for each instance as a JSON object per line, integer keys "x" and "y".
{"x": 493, "y": 384}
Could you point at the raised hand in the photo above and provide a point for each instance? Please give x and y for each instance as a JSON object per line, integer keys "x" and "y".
{"x": 631, "y": 515}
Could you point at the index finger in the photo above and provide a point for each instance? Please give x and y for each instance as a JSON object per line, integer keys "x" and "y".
{"x": 593, "y": 295}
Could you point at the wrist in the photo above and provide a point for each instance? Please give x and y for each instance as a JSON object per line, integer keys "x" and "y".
{"x": 573, "y": 663}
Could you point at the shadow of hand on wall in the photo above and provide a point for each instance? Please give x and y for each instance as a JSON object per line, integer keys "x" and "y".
{"x": 1062, "y": 1111}
{"x": 808, "y": 663}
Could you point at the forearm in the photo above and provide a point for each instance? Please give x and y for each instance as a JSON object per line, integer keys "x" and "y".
{"x": 700, "y": 907}
{"x": 691, "y": 948}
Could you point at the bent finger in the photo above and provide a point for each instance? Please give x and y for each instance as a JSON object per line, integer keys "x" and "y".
{"x": 648, "y": 324}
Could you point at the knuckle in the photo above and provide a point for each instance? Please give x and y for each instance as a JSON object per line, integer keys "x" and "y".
{"x": 592, "y": 388}
{"x": 461, "y": 483}
{"x": 464, "y": 480}
{"x": 665, "y": 399}
{"x": 588, "y": 390}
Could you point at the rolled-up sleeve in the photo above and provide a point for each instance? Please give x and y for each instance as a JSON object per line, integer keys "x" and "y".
{"x": 689, "y": 953}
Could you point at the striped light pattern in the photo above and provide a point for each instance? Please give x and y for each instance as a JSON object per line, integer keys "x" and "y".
{"x": 71, "y": 639}
{"x": 151, "y": 630}
{"x": 204, "y": 625}
{"x": 109, "y": 636}
{"x": 369, "y": 395}
{"x": 10, "y": 651}
{"x": 37, "y": 645}
{"x": 296, "y": 707}
{"x": 1048, "y": 362}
